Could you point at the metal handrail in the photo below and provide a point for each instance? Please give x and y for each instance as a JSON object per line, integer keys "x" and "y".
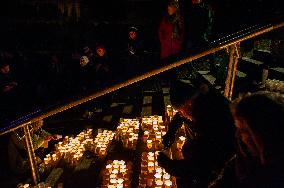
{"x": 218, "y": 45}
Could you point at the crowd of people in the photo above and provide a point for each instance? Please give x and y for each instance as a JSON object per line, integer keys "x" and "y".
{"x": 235, "y": 145}
{"x": 37, "y": 79}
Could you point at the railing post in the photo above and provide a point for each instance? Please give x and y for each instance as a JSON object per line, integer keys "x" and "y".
{"x": 234, "y": 55}
{"x": 31, "y": 154}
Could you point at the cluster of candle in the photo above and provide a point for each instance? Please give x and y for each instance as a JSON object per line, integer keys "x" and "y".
{"x": 127, "y": 132}
{"x": 71, "y": 149}
{"x": 40, "y": 185}
{"x": 102, "y": 142}
{"x": 153, "y": 175}
{"x": 117, "y": 174}
{"x": 154, "y": 129}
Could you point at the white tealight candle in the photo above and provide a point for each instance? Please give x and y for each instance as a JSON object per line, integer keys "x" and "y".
{"x": 113, "y": 181}
{"x": 166, "y": 176}
{"x": 120, "y": 181}
{"x": 182, "y": 138}
{"x": 159, "y": 170}
{"x": 168, "y": 183}
{"x": 158, "y": 176}
{"x": 115, "y": 171}
{"x": 159, "y": 182}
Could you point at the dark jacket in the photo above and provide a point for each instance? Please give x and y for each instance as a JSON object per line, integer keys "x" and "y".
{"x": 214, "y": 145}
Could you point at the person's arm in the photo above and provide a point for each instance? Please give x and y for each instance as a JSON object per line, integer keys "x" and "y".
{"x": 41, "y": 139}
{"x": 174, "y": 125}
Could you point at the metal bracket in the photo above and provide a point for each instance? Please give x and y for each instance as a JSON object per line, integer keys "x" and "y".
{"x": 234, "y": 55}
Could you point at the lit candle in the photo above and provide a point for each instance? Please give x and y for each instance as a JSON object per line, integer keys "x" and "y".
{"x": 149, "y": 144}
{"x": 159, "y": 182}
{"x": 168, "y": 183}
{"x": 151, "y": 166}
{"x": 120, "y": 181}
{"x": 113, "y": 181}
{"x": 159, "y": 170}
{"x": 158, "y": 176}
{"x": 166, "y": 176}
{"x": 115, "y": 171}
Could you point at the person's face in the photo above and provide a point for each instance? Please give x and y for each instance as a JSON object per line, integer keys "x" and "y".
{"x": 5, "y": 69}
{"x": 250, "y": 139}
{"x": 100, "y": 52}
{"x": 132, "y": 35}
{"x": 171, "y": 10}
{"x": 185, "y": 110}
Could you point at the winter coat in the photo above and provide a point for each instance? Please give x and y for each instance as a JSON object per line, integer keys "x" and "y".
{"x": 170, "y": 45}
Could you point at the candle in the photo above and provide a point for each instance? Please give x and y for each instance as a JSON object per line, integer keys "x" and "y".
{"x": 166, "y": 176}
{"x": 149, "y": 144}
{"x": 151, "y": 166}
{"x": 158, "y": 176}
{"x": 168, "y": 183}
{"x": 159, "y": 170}
{"x": 159, "y": 182}
{"x": 113, "y": 181}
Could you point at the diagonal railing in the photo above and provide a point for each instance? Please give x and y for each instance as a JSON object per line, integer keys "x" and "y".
{"x": 230, "y": 42}
{"x": 217, "y": 45}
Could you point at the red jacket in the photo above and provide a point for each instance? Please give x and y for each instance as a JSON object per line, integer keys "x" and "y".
{"x": 170, "y": 45}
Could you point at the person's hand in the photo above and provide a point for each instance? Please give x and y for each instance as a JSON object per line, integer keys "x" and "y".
{"x": 162, "y": 160}
{"x": 168, "y": 140}
{"x": 56, "y": 136}
{"x": 49, "y": 138}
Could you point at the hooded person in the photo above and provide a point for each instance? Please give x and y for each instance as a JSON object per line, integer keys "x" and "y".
{"x": 102, "y": 65}
{"x": 259, "y": 122}
{"x": 134, "y": 50}
{"x": 171, "y": 31}
{"x": 212, "y": 122}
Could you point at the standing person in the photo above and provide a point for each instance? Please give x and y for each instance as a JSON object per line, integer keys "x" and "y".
{"x": 17, "y": 152}
{"x": 102, "y": 65}
{"x": 198, "y": 23}
{"x": 259, "y": 122}
{"x": 171, "y": 31}
{"x": 213, "y": 123}
{"x": 10, "y": 92}
{"x": 133, "y": 52}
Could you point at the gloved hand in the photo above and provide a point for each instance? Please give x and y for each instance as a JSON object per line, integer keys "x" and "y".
{"x": 163, "y": 160}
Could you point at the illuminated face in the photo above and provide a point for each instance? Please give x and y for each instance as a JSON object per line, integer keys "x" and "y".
{"x": 243, "y": 133}
{"x": 132, "y": 35}
{"x": 5, "y": 69}
{"x": 171, "y": 10}
{"x": 101, "y": 52}
{"x": 185, "y": 110}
